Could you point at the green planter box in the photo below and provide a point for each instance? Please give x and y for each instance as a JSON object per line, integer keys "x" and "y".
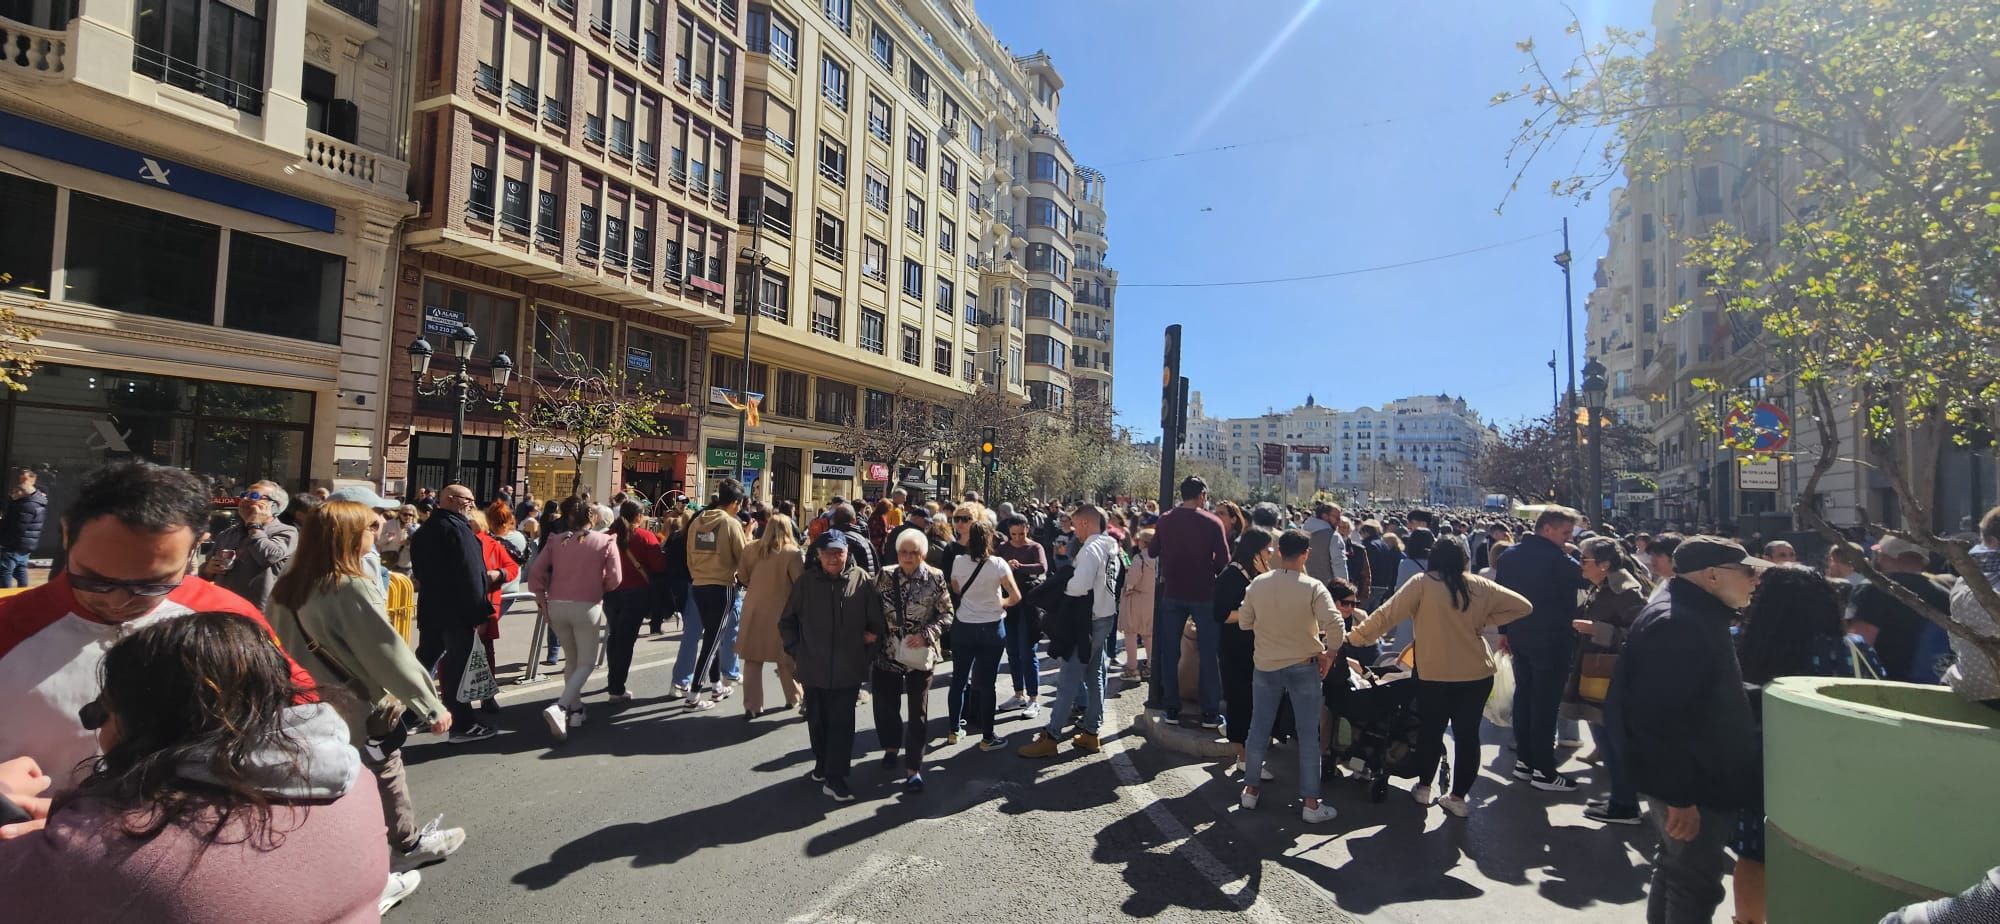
{"x": 1878, "y": 794}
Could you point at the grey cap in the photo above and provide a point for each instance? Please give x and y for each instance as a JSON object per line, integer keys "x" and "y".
{"x": 365, "y": 496}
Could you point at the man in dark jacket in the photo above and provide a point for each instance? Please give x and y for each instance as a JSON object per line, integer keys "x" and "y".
{"x": 1689, "y": 737}
{"x": 860, "y": 551}
{"x": 830, "y": 627}
{"x": 452, "y": 601}
{"x": 1383, "y": 563}
{"x": 1542, "y": 643}
{"x": 21, "y": 533}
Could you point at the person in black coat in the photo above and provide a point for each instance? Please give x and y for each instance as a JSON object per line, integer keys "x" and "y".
{"x": 1689, "y": 736}
{"x": 21, "y": 532}
{"x": 452, "y": 601}
{"x": 1238, "y": 646}
{"x": 1543, "y": 643}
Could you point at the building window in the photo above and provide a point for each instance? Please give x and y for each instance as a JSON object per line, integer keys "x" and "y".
{"x": 1016, "y": 311}
{"x": 913, "y": 278}
{"x": 1647, "y": 321}
{"x": 1647, "y": 278}
{"x": 656, "y": 361}
{"x": 917, "y": 149}
{"x": 1044, "y": 258}
{"x": 941, "y": 356}
{"x": 874, "y": 259}
{"x": 948, "y": 108}
{"x": 1046, "y": 213}
{"x": 883, "y": 46}
{"x": 1045, "y": 396}
{"x": 826, "y": 314}
{"x": 1708, "y": 190}
{"x": 833, "y": 160}
{"x": 913, "y": 345}
{"x": 572, "y": 344}
{"x": 913, "y": 213}
{"x": 771, "y": 34}
{"x": 1014, "y": 365}
{"x": 920, "y": 84}
{"x": 833, "y": 82}
{"x": 947, "y": 235}
{"x": 1047, "y": 351}
{"x": 873, "y": 335}
{"x": 829, "y": 236}
{"x": 497, "y": 318}
{"x": 283, "y": 289}
{"x": 1646, "y": 227}
{"x": 948, "y": 173}
{"x": 944, "y": 295}
{"x": 133, "y": 259}
{"x": 1043, "y": 303}
{"x": 27, "y": 234}
{"x": 834, "y": 404}
{"x": 216, "y": 49}
{"x": 875, "y": 190}
{"x": 726, "y": 371}
{"x": 879, "y": 115}
{"x": 771, "y": 290}
{"x": 789, "y": 398}
{"x": 839, "y": 12}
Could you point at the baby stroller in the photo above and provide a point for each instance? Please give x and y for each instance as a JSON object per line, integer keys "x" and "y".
{"x": 1381, "y": 707}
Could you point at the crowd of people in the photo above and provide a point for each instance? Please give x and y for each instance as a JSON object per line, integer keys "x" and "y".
{"x": 189, "y": 711}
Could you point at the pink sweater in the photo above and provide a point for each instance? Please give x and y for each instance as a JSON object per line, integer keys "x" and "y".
{"x": 579, "y": 566}
{"x": 329, "y": 865}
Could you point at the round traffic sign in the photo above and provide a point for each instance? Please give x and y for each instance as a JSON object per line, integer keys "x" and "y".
{"x": 1764, "y": 427}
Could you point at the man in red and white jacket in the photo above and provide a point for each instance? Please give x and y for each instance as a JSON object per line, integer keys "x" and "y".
{"x": 130, "y": 533}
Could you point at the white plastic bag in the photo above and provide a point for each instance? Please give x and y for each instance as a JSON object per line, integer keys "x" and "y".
{"x": 476, "y": 683}
{"x": 1500, "y": 703}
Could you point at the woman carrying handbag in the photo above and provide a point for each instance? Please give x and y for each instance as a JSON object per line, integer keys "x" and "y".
{"x": 917, "y": 607}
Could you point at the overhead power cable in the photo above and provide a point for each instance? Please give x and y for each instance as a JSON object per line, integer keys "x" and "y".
{"x": 1337, "y": 273}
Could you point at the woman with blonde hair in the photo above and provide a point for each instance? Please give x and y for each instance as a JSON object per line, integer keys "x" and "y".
{"x": 331, "y": 616}
{"x": 1135, "y": 606}
{"x": 767, "y": 569}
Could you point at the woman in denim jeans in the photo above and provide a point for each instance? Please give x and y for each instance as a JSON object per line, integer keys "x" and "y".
{"x": 983, "y": 587}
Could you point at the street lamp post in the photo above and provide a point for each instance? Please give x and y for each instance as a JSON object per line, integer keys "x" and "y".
{"x": 459, "y": 385}
{"x": 1594, "y": 388}
{"x": 1569, "y": 339}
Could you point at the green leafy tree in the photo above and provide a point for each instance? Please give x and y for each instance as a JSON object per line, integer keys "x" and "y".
{"x": 579, "y": 409}
{"x": 1872, "y": 124}
{"x": 17, "y": 354}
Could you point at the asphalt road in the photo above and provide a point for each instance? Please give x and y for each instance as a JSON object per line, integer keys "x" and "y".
{"x": 656, "y": 813}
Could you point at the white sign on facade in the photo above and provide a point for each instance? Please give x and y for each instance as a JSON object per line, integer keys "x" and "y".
{"x": 1757, "y": 476}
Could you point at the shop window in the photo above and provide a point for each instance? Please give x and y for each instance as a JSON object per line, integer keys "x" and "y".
{"x": 134, "y": 259}
{"x": 283, "y": 289}
{"x": 568, "y": 343}
{"x": 657, "y": 361}
{"x": 495, "y": 318}
{"x": 27, "y": 234}
{"x": 834, "y": 403}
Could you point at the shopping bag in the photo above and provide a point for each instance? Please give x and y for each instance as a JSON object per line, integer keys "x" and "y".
{"x": 1500, "y": 703}
{"x": 476, "y": 683}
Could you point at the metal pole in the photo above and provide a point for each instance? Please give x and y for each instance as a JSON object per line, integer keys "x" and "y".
{"x": 463, "y": 381}
{"x": 1569, "y": 338}
{"x": 1170, "y": 416}
{"x": 1597, "y": 465}
{"x": 756, "y": 285}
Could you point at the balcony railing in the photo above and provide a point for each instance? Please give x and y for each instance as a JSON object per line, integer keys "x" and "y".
{"x": 647, "y": 157}
{"x": 26, "y": 51}
{"x": 828, "y": 249}
{"x": 626, "y": 41}
{"x": 593, "y": 129}
{"x": 826, "y": 327}
{"x": 621, "y": 148}
{"x": 487, "y": 78}
{"x": 568, "y": 7}
{"x": 833, "y": 173}
{"x": 516, "y": 224}
{"x": 157, "y": 64}
{"x": 339, "y": 157}
{"x": 554, "y": 112}
{"x": 521, "y": 95}
{"x": 363, "y": 10}
{"x": 784, "y": 144}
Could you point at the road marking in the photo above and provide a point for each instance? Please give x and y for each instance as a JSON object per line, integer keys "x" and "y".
{"x": 1179, "y": 839}
{"x": 872, "y": 871}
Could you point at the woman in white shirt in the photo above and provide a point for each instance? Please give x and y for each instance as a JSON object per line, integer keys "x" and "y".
{"x": 983, "y": 587}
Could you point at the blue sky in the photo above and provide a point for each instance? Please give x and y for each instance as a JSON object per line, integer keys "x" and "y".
{"x": 1381, "y": 150}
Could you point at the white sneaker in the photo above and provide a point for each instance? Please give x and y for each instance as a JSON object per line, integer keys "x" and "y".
{"x": 399, "y": 887}
{"x": 1247, "y": 799}
{"x": 1015, "y": 703}
{"x": 1263, "y": 773}
{"x": 576, "y": 718}
{"x": 721, "y": 691}
{"x": 1456, "y": 806}
{"x": 1422, "y": 794}
{"x": 1032, "y": 711}
{"x": 433, "y": 844}
{"x": 1569, "y": 743}
{"x": 1318, "y": 813}
{"x": 557, "y": 721}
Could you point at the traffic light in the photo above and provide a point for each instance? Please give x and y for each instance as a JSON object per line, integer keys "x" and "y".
{"x": 988, "y": 452}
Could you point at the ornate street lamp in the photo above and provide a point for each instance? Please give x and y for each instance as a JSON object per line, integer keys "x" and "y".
{"x": 459, "y": 386}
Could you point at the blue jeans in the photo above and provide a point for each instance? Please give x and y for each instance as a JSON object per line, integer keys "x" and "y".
{"x": 1082, "y": 678}
{"x": 1540, "y": 674}
{"x": 1024, "y": 654}
{"x": 1170, "y": 617}
{"x": 13, "y": 569}
{"x": 1268, "y": 688}
{"x": 731, "y": 668}
{"x": 1610, "y": 736}
{"x": 975, "y": 654}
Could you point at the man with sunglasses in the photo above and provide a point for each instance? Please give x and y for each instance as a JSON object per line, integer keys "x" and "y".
{"x": 130, "y": 536}
{"x": 251, "y": 554}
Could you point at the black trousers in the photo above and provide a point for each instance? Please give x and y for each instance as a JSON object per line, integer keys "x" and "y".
{"x": 897, "y": 732}
{"x": 713, "y": 601}
{"x": 624, "y": 612}
{"x": 1238, "y": 667}
{"x": 443, "y": 650}
{"x": 1460, "y": 703}
{"x": 830, "y": 726}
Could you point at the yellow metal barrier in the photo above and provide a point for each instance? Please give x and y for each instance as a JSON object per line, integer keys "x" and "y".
{"x": 403, "y": 607}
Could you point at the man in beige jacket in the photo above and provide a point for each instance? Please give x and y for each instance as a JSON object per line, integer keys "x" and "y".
{"x": 715, "y": 540}
{"x": 1288, "y": 611}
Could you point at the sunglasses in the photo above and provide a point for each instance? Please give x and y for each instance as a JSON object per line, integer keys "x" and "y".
{"x": 93, "y": 715}
{"x": 96, "y": 585}
{"x": 254, "y": 496}
{"x": 961, "y": 519}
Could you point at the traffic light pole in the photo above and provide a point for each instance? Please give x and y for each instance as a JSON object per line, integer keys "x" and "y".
{"x": 1171, "y": 390}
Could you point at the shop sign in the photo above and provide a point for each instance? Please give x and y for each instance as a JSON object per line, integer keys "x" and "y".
{"x": 832, "y": 464}
{"x": 723, "y": 455}
{"x": 68, "y": 147}
{"x": 1757, "y": 476}
{"x": 878, "y": 471}
{"x": 915, "y": 474}
{"x": 638, "y": 360}
{"x": 562, "y": 451}
{"x": 1635, "y": 497}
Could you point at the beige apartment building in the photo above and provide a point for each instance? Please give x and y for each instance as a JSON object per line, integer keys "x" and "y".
{"x": 198, "y": 209}
{"x": 908, "y": 211}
